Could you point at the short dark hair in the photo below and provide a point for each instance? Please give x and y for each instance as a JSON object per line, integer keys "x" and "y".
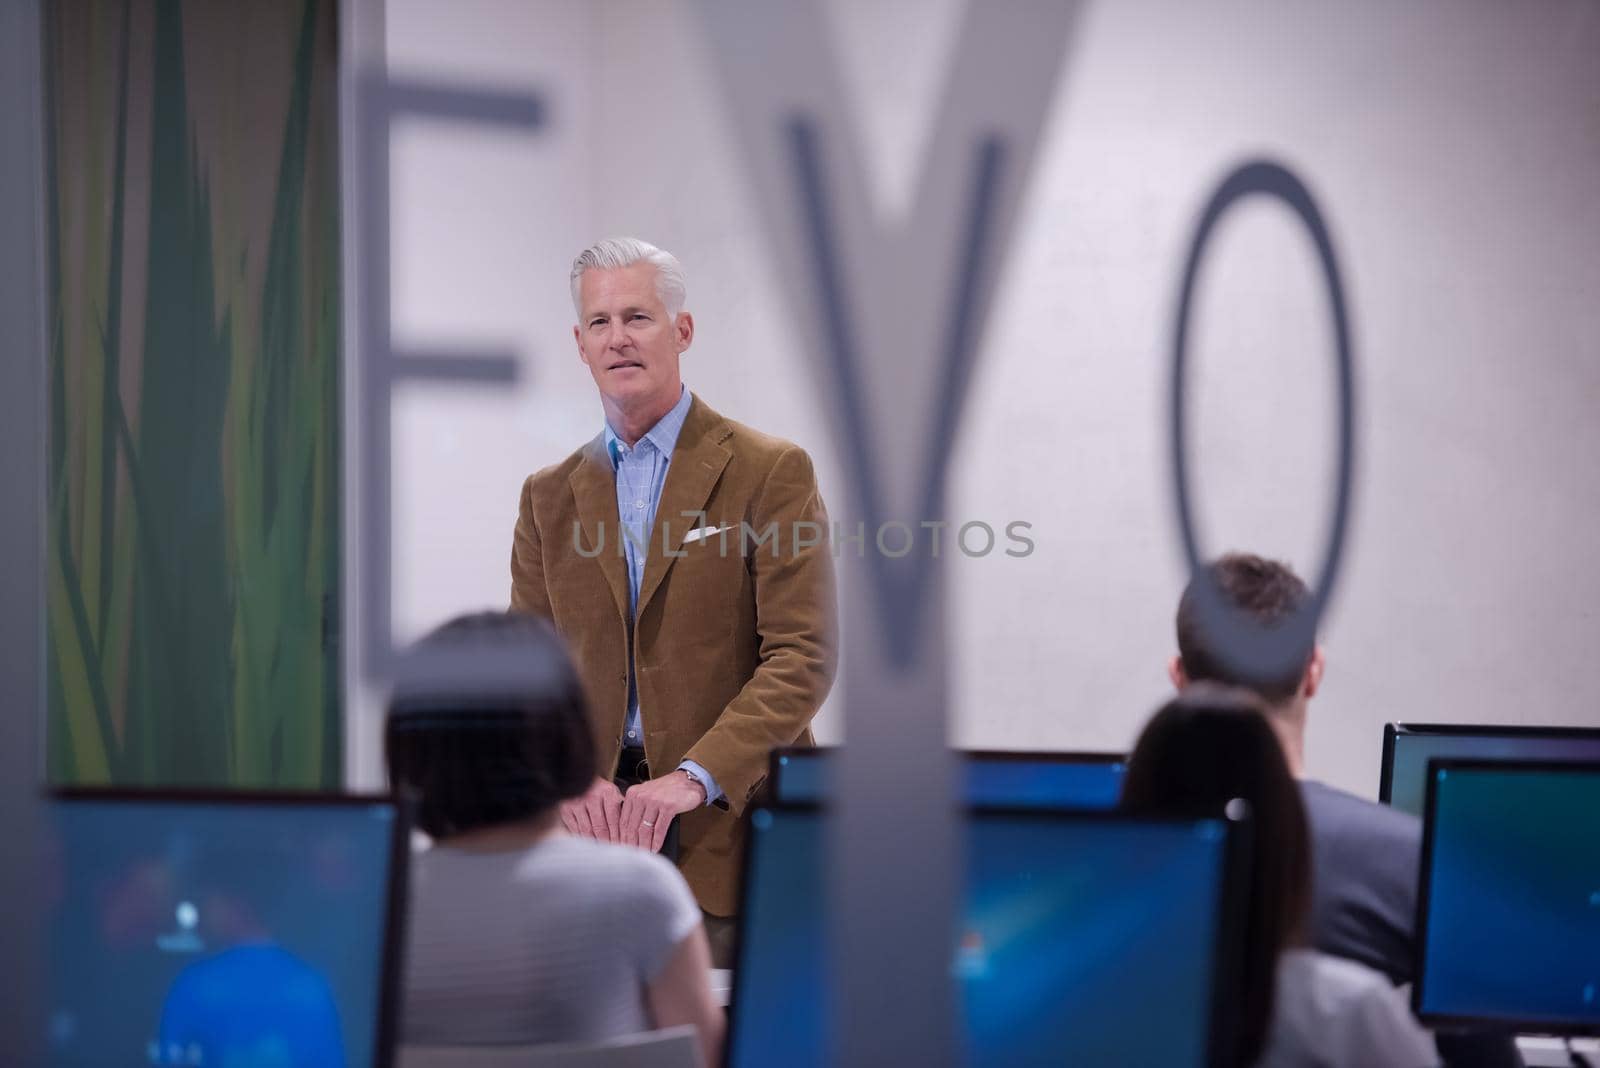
{"x": 1267, "y": 591}
{"x": 475, "y": 755}
{"x": 1204, "y": 748}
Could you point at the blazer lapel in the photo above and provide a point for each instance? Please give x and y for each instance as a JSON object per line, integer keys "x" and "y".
{"x": 697, "y": 463}
{"x": 594, "y": 488}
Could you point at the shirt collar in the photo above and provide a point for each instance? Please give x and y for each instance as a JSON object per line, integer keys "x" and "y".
{"x": 664, "y": 435}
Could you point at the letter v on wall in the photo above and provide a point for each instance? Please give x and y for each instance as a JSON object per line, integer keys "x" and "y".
{"x": 891, "y": 314}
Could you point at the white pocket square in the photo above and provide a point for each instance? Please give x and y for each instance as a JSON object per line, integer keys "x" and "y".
{"x": 701, "y": 533}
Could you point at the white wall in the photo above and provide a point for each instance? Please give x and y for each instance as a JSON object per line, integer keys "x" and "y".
{"x": 1455, "y": 149}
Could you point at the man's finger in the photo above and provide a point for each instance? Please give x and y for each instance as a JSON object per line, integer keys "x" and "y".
{"x": 612, "y": 804}
{"x": 628, "y": 819}
{"x": 664, "y": 820}
{"x": 641, "y": 834}
{"x": 650, "y": 827}
{"x": 566, "y": 818}
{"x": 597, "y": 816}
{"x": 581, "y": 817}
{"x": 596, "y": 805}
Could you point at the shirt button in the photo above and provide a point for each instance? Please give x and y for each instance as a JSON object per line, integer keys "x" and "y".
{"x": 638, "y": 504}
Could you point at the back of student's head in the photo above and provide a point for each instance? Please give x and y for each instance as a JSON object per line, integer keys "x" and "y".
{"x": 488, "y": 725}
{"x": 1267, "y": 592}
{"x": 1203, "y": 749}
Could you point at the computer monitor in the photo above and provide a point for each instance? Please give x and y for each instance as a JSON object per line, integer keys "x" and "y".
{"x": 191, "y": 928}
{"x": 1407, "y": 748}
{"x": 1508, "y": 911}
{"x": 1077, "y": 931}
{"x": 1020, "y": 780}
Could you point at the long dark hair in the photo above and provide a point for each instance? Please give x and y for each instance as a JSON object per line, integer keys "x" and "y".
{"x": 489, "y": 726}
{"x": 1202, "y": 750}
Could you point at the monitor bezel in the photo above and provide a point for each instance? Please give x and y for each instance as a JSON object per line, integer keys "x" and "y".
{"x": 1391, "y": 731}
{"x": 1496, "y": 1024}
{"x": 997, "y": 756}
{"x": 1231, "y": 921}
{"x": 386, "y": 1034}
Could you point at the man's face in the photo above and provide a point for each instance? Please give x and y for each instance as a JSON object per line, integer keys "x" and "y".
{"x": 627, "y": 340}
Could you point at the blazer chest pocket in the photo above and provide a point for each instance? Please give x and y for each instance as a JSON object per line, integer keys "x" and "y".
{"x": 709, "y": 545}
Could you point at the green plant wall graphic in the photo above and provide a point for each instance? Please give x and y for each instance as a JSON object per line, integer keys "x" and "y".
{"x": 194, "y": 459}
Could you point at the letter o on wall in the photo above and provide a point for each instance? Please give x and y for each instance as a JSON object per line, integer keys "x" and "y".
{"x": 1251, "y": 651}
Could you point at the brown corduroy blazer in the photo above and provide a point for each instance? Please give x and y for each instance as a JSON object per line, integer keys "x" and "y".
{"x": 735, "y": 640}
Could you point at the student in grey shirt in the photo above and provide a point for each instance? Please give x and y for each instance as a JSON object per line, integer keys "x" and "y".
{"x": 1364, "y": 895}
{"x": 1365, "y": 855}
{"x": 518, "y": 933}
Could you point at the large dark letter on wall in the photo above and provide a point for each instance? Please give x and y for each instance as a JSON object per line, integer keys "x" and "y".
{"x": 1255, "y": 652}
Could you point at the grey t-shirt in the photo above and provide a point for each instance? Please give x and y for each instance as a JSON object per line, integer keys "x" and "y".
{"x": 550, "y": 944}
{"x": 1332, "y": 1013}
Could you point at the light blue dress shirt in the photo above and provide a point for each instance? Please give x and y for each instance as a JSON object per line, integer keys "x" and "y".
{"x": 641, "y": 472}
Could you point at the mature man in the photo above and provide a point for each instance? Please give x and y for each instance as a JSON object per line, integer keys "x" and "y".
{"x": 1365, "y": 855}
{"x": 684, "y": 558}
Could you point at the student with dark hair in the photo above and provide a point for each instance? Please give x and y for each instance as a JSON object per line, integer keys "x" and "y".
{"x": 1365, "y": 891}
{"x": 519, "y": 932}
{"x": 1365, "y": 856}
{"x": 1299, "y": 1007}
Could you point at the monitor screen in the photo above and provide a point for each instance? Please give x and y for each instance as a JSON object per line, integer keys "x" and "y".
{"x": 1407, "y": 748}
{"x": 1072, "y": 926}
{"x": 188, "y": 931}
{"x": 1019, "y": 780}
{"x": 1509, "y": 916}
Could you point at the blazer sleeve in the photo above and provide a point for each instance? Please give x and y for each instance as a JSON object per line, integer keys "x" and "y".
{"x": 528, "y": 591}
{"x": 797, "y": 634}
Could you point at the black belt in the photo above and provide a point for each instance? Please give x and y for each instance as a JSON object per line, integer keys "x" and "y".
{"x": 632, "y": 767}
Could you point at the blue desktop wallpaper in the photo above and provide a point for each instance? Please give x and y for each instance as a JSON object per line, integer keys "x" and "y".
{"x": 249, "y": 935}
{"x": 1072, "y": 931}
{"x": 1513, "y": 927}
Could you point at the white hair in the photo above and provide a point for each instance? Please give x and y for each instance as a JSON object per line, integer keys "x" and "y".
{"x": 616, "y": 252}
